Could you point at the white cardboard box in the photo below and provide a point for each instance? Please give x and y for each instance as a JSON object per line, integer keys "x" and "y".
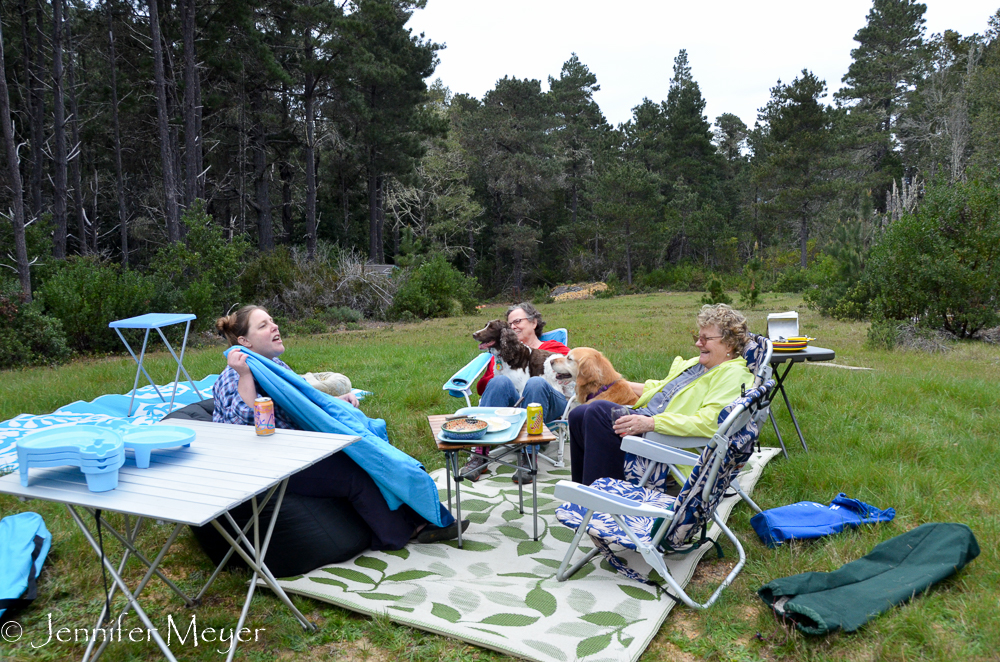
{"x": 783, "y": 325}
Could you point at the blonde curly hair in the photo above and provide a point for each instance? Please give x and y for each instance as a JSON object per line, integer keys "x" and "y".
{"x": 731, "y": 324}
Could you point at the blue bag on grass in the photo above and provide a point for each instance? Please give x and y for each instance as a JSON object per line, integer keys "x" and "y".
{"x": 808, "y": 519}
{"x": 24, "y": 544}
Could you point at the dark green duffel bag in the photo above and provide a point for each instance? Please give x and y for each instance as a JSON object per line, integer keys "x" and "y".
{"x": 892, "y": 573}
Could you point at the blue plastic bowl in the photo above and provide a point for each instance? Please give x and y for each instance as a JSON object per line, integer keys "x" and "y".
{"x": 464, "y": 435}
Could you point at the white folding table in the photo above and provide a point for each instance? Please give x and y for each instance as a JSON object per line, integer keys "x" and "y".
{"x": 225, "y": 466}
{"x": 156, "y": 321}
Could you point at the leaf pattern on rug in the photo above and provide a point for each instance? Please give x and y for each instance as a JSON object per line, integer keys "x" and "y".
{"x": 499, "y": 591}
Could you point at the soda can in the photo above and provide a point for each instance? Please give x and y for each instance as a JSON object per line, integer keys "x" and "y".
{"x": 534, "y": 418}
{"x": 263, "y": 416}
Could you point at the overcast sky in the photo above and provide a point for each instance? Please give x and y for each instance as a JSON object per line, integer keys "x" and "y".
{"x": 737, "y": 49}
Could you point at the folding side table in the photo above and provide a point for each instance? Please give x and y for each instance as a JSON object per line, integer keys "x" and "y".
{"x": 777, "y": 358}
{"x": 453, "y": 468}
{"x": 225, "y": 466}
{"x": 156, "y": 321}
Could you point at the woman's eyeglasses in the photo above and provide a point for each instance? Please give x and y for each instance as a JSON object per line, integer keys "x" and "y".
{"x": 705, "y": 339}
{"x": 518, "y": 321}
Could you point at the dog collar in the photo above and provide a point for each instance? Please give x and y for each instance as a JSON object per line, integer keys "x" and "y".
{"x": 601, "y": 390}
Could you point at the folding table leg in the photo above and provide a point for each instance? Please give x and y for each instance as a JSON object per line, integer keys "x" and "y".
{"x": 129, "y": 543}
{"x": 533, "y": 465}
{"x": 139, "y": 370}
{"x": 791, "y": 413}
{"x": 225, "y": 559}
{"x": 180, "y": 362}
{"x": 132, "y": 599}
{"x": 458, "y": 494}
{"x": 774, "y": 423}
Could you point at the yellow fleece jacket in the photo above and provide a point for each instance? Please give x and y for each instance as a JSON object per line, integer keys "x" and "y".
{"x": 694, "y": 411}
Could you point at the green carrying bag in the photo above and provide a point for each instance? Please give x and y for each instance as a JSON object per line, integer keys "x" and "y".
{"x": 892, "y": 573}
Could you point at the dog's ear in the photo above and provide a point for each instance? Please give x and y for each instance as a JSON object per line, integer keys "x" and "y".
{"x": 508, "y": 338}
{"x": 588, "y": 370}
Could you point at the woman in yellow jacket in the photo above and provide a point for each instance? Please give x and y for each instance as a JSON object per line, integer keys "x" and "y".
{"x": 686, "y": 404}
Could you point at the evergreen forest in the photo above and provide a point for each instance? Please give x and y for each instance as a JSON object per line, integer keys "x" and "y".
{"x": 194, "y": 155}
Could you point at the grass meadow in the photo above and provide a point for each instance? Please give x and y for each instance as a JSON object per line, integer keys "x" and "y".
{"x": 917, "y": 433}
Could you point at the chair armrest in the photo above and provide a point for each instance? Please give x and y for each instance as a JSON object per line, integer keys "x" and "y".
{"x": 677, "y": 442}
{"x": 613, "y": 504}
{"x": 462, "y": 379}
{"x": 658, "y": 452}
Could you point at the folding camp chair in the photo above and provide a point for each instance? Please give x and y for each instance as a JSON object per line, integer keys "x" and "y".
{"x": 758, "y": 357}
{"x": 637, "y": 517}
{"x": 464, "y": 381}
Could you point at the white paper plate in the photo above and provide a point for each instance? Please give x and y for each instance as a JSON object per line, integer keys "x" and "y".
{"x": 497, "y": 424}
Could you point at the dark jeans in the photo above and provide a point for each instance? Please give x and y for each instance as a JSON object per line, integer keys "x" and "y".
{"x": 339, "y": 476}
{"x": 595, "y": 449}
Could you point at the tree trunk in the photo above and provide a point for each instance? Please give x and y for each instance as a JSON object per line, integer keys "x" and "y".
{"x": 192, "y": 138}
{"x": 628, "y": 254}
{"x": 169, "y": 179}
{"x": 262, "y": 193}
{"x": 36, "y": 112}
{"x": 287, "y": 224}
{"x": 94, "y": 225}
{"x": 380, "y": 217}
{"x": 77, "y": 156}
{"x": 310, "y": 159}
{"x": 372, "y": 215}
{"x": 119, "y": 180}
{"x": 10, "y": 147}
{"x": 38, "y": 116}
{"x": 59, "y": 134}
{"x": 804, "y": 241}
{"x": 472, "y": 248}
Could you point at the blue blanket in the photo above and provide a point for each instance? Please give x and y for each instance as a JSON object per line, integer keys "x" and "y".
{"x": 107, "y": 410}
{"x": 400, "y": 477}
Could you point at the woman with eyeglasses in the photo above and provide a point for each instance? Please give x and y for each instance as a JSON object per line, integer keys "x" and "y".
{"x": 686, "y": 403}
{"x": 499, "y": 391}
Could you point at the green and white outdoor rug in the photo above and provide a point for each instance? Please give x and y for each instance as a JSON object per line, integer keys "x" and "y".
{"x": 500, "y": 590}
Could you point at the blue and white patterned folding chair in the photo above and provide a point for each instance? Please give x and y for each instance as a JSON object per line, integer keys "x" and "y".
{"x": 637, "y": 517}
{"x": 758, "y": 357}
{"x": 464, "y": 381}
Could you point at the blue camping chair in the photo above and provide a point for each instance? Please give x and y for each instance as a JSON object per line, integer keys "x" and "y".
{"x": 653, "y": 523}
{"x": 464, "y": 381}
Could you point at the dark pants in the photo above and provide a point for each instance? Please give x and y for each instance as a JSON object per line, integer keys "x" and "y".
{"x": 339, "y": 476}
{"x": 596, "y": 450}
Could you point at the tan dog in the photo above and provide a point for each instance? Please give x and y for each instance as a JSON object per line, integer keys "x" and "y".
{"x": 596, "y": 378}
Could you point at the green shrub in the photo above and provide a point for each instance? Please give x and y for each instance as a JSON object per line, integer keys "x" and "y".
{"x": 204, "y": 269}
{"x": 791, "y": 280}
{"x": 27, "y": 337}
{"x": 716, "y": 292}
{"x": 308, "y": 326}
{"x": 750, "y": 285}
{"x": 267, "y": 277}
{"x": 940, "y": 264}
{"x": 341, "y": 314}
{"x": 540, "y": 295}
{"x": 86, "y": 294}
{"x": 435, "y": 289}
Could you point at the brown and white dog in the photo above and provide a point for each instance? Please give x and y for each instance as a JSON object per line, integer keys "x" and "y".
{"x": 594, "y": 377}
{"x": 517, "y": 361}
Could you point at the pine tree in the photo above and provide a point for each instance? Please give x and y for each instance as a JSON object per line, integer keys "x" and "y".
{"x": 886, "y": 65}
{"x": 792, "y": 155}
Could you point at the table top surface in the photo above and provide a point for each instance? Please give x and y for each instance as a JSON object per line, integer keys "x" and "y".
{"x": 224, "y": 466}
{"x": 810, "y": 353}
{"x": 152, "y": 320}
{"x": 524, "y": 438}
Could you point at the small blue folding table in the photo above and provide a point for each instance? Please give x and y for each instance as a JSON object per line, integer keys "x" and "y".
{"x": 156, "y": 321}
